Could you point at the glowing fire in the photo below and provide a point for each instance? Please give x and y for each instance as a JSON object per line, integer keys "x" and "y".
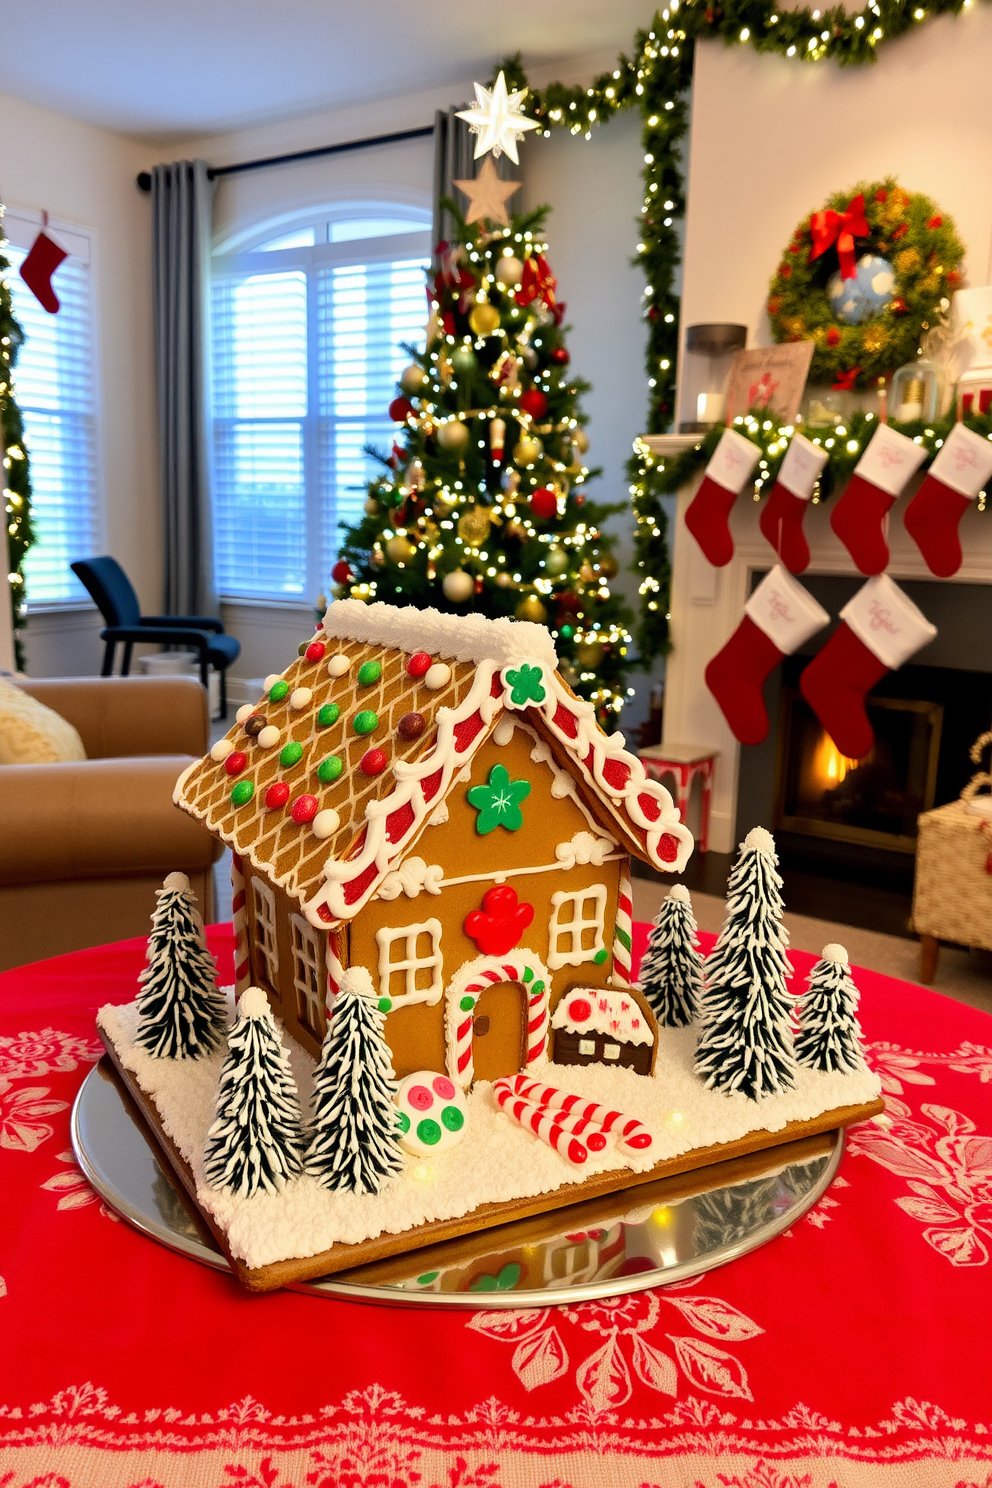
{"x": 829, "y": 766}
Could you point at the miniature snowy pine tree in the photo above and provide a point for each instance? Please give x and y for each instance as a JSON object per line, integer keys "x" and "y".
{"x": 745, "y": 1042}
{"x": 671, "y": 973}
{"x": 181, "y": 1014}
{"x": 354, "y": 1145}
{"x": 829, "y": 1035}
{"x": 257, "y": 1139}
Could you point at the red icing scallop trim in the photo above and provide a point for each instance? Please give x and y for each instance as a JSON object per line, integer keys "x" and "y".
{"x": 399, "y": 822}
{"x": 565, "y": 721}
{"x": 466, "y": 731}
{"x": 668, "y": 848}
{"x": 616, "y": 773}
{"x": 650, "y": 807}
{"x": 430, "y": 785}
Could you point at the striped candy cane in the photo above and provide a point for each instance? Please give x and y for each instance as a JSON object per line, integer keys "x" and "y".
{"x": 335, "y": 971}
{"x": 631, "y": 1134}
{"x": 589, "y": 1133}
{"x": 467, "y": 987}
{"x": 242, "y": 969}
{"x": 622, "y": 929}
{"x": 543, "y": 1126}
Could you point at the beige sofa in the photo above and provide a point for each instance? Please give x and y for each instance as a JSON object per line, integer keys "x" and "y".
{"x": 84, "y": 846}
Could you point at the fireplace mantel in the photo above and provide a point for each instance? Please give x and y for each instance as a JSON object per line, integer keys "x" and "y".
{"x": 707, "y": 604}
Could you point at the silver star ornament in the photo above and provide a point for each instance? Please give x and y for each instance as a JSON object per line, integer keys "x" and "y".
{"x": 498, "y": 121}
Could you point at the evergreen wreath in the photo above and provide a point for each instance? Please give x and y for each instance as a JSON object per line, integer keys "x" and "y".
{"x": 912, "y": 237}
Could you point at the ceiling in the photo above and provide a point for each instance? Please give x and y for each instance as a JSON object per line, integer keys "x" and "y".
{"x": 159, "y": 69}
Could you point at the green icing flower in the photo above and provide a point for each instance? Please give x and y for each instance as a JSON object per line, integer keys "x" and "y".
{"x": 498, "y": 803}
{"x": 526, "y": 685}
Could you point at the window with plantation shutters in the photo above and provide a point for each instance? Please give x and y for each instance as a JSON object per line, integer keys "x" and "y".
{"x": 55, "y": 387}
{"x": 308, "y": 334}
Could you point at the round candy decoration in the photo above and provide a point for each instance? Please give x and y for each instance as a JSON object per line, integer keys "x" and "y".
{"x": 224, "y": 747}
{"x": 254, "y": 724}
{"x": 369, "y": 672}
{"x": 243, "y": 713}
{"x": 438, "y": 676}
{"x": 862, "y": 278}
{"x": 270, "y": 681}
{"x": 278, "y": 691}
{"x": 291, "y": 754}
{"x": 373, "y": 762}
{"x": 411, "y": 725}
{"x": 277, "y": 795}
{"x": 433, "y": 1113}
{"x": 242, "y": 793}
{"x": 329, "y": 713}
{"x": 329, "y": 769}
{"x": 300, "y": 697}
{"x": 304, "y": 809}
{"x": 365, "y": 721}
{"x": 235, "y": 762}
{"x": 338, "y": 665}
{"x": 325, "y": 823}
{"x": 418, "y": 665}
{"x": 268, "y": 737}
{"x": 315, "y": 650}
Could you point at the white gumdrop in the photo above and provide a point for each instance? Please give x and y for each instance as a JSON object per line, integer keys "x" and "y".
{"x": 338, "y": 665}
{"x": 271, "y": 681}
{"x": 438, "y": 676}
{"x": 326, "y": 822}
{"x": 221, "y": 750}
{"x": 269, "y": 737}
{"x": 245, "y": 711}
{"x": 300, "y": 697}
{"x": 433, "y": 1112}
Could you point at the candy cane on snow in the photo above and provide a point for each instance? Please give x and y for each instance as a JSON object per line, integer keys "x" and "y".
{"x": 590, "y": 1133}
{"x": 630, "y": 1133}
{"x": 543, "y": 1125}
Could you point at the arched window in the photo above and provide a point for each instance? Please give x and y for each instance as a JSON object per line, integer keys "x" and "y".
{"x": 309, "y": 318}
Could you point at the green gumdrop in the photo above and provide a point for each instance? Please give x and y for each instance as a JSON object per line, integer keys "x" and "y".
{"x": 453, "y": 1119}
{"x": 329, "y": 769}
{"x": 600, "y": 956}
{"x": 291, "y": 753}
{"x": 365, "y": 722}
{"x": 427, "y": 1278}
{"x": 403, "y": 1122}
{"x": 467, "y": 1004}
{"x": 536, "y": 989}
{"x": 385, "y": 1003}
{"x": 242, "y": 793}
{"x": 329, "y": 713}
{"x": 428, "y": 1132}
{"x": 278, "y": 691}
{"x": 369, "y": 672}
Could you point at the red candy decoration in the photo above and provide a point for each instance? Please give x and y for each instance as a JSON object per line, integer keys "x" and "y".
{"x": 304, "y": 809}
{"x": 579, "y": 1009}
{"x": 400, "y": 410}
{"x": 497, "y": 927}
{"x": 315, "y": 651}
{"x": 235, "y": 762}
{"x": 277, "y": 795}
{"x": 544, "y": 503}
{"x": 418, "y": 665}
{"x": 534, "y": 402}
{"x": 341, "y": 572}
{"x": 373, "y": 762}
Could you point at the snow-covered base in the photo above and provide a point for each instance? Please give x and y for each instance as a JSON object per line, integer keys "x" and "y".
{"x": 497, "y": 1161}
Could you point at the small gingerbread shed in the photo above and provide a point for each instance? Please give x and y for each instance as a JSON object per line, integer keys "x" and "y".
{"x": 603, "y": 1025}
{"x": 423, "y": 796}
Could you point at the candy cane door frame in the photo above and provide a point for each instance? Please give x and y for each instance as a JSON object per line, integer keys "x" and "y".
{"x": 461, "y": 1000}
{"x": 499, "y": 1031}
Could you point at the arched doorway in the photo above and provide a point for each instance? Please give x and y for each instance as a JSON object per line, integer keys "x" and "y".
{"x": 496, "y": 1011}
{"x": 499, "y": 1031}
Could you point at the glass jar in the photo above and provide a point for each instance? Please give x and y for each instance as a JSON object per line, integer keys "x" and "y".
{"x": 709, "y": 352}
{"x": 916, "y": 392}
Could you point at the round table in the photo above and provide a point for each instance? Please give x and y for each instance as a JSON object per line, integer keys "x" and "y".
{"x": 853, "y": 1350}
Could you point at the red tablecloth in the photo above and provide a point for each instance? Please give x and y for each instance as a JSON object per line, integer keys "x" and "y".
{"x": 855, "y": 1350}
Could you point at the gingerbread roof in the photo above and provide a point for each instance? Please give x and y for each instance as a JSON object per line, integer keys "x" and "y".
{"x": 327, "y": 783}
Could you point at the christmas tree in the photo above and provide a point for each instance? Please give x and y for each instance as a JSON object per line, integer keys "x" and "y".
{"x": 671, "y": 974}
{"x": 181, "y": 1014}
{"x": 830, "y": 1036}
{"x": 745, "y": 1042}
{"x": 257, "y": 1139}
{"x": 356, "y": 1124}
{"x": 481, "y": 505}
{"x": 17, "y": 471}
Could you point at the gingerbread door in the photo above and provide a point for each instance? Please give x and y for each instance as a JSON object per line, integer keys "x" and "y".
{"x": 499, "y": 1031}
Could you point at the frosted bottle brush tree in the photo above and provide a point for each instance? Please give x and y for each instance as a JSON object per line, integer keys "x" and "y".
{"x": 745, "y": 1041}
{"x": 181, "y": 1014}
{"x": 829, "y": 1035}
{"x": 671, "y": 974}
{"x": 481, "y": 505}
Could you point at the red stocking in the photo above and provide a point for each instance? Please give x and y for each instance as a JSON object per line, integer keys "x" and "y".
{"x": 726, "y": 475}
{"x": 37, "y": 269}
{"x": 882, "y": 474}
{"x": 778, "y": 618}
{"x": 782, "y": 514}
{"x": 959, "y": 471}
{"x": 881, "y": 628}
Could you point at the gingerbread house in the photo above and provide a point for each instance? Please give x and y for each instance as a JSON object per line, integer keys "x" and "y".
{"x": 423, "y": 796}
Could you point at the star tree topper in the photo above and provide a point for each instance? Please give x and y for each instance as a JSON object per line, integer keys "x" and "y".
{"x": 487, "y": 195}
{"x": 498, "y": 121}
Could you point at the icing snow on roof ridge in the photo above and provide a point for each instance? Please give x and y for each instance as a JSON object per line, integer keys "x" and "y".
{"x": 455, "y": 637}
{"x": 607, "y": 1010}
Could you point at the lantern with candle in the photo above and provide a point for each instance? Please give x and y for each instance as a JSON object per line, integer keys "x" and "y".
{"x": 917, "y": 388}
{"x": 709, "y": 351}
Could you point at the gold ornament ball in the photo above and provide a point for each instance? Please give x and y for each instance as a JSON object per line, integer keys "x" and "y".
{"x": 504, "y": 580}
{"x": 608, "y": 566}
{"x": 556, "y": 560}
{"x": 590, "y": 654}
{"x": 586, "y": 573}
{"x": 458, "y": 586}
{"x": 452, "y": 436}
{"x": 509, "y": 271}
{"x": 484, "y": 319}
{"x": 580, "y": 440}
{"x": 527, "y": 450}
{"x": 473, "y": 526}
{"x": 531, "y": 608}
{"x": 400, "y": 550}
{"x": 412, "y": 379}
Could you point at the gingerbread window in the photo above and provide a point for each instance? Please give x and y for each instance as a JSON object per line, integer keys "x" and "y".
{"x": 410, "y": 963}
{"x": 308, "y": 976}
{"x": 575, "y": 934}
{"x": 266, "y": 944}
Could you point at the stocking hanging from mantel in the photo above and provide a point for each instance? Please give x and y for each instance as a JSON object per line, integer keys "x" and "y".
{"x": 880, "y": 476}
{"x": 708, "y": 513}
{"x": 44, "y": 257}
{"x": 960, "y": 469}
{"x": 782, "y": 513}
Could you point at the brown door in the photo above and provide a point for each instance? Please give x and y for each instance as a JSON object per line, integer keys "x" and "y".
{"x": 500, "y": 1028}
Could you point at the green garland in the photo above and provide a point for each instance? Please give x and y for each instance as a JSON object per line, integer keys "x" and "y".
{"x": 657, "y": 80}
{"x": 17, "y": 471}
{"x": 921, "y": 245}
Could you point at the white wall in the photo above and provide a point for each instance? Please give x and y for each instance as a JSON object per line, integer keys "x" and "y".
{"x": 86, "y": 176}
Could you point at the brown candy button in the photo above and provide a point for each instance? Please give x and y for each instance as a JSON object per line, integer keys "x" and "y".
{"x": 411, "y": 725}
{"x": 254, "y": 725}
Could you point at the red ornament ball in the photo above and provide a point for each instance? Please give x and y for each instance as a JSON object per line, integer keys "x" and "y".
{"x": 235, "y": 762}
{"x": 418, "y": 665}
{"x": 411, "y": 725}
{"x": 304, "y": 809}
{"x": 341, "y": 572}
{"x": 373, "y": 762}
{"x": 833, "y": 336}
{"x": 560, "y": 356}
{"x": 534, "y": 402}
{"x": 544, "y": 503}
{"x": 315, "y": 651}
{"x": 399, "y": 411}
{"x": 277, "y": 795}
{"x": 898, "y": 306}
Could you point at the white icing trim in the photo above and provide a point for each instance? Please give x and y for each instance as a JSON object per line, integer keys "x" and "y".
{"x": 264, "y": 905}
{"x": 584, "y": 848}
{"x": 307, "y": 957}
{"x": 575, "y": 955}
{"x": 439, "y": 815}
{"x": 470, "y": 981}
{"x": 410, "y": 964}
{"x": 411, "y": 877}
{"x": 612, "y": 1013}
{"x": 457, "y": 637}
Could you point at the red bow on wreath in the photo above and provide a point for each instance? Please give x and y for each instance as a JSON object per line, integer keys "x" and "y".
{"x": 841, "y": 228}
{"x": 537, "y": 280}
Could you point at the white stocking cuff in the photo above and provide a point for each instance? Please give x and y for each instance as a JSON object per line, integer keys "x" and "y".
{"x": 786, "y": 612}
{"x": 964, "y": 462}
{"x": 802, "y": 464}
{"x": 890, "y": 461}
{"x": 887, "y": 621}
{"x": 733, "y": 460}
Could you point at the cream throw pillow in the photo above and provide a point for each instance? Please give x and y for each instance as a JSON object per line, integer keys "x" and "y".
{"x": 31, "y": 734}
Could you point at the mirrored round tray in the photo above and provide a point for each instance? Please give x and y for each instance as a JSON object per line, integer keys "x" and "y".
{"x": 651, "y": 1235}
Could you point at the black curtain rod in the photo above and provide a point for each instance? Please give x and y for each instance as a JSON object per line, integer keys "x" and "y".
{"x": 145, "y": 180}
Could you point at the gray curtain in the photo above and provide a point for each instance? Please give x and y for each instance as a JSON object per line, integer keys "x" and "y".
{"x": 454, "y": 144}
{"x": 181, "y": 212}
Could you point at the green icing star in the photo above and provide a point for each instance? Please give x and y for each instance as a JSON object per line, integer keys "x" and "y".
{"x": 526, "y": 685}
{"x": 498, "y": 803}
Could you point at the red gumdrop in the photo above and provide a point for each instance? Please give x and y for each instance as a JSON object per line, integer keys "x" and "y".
{"x": 315, "y": 651}
{"x": 341, "y": 572}
{"x": 419, "y": 664}
{"x": 579, "y": 1010}
{"x": 373, "y": 762}
{"x": 399, "y": 411}
{"x": 534, "y": 402}
{"x": 235, "y": 762}
{"x": 544, "y": 503}
{"x": 304, "y": 809}
{"x": 277, "y": 795}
